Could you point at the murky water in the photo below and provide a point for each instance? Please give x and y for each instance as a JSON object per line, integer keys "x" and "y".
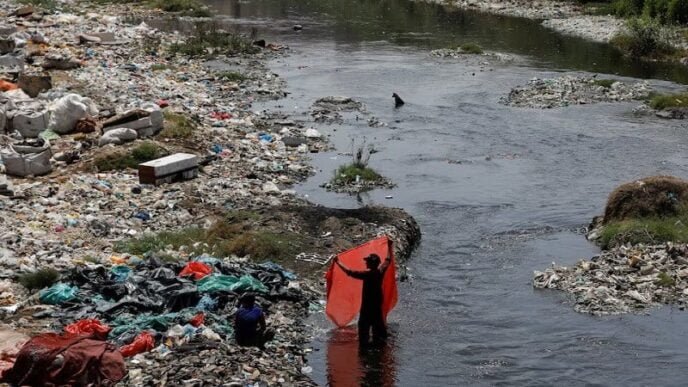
{"x": 498, "y": 191}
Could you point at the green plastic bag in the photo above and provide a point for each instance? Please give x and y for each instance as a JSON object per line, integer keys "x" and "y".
{"x": 216, "y": 283}
{"x": 125, "y": 323}
{"x": 58, "y": 294}
{"x": 120, "y": 273}
{"x": 248, "y": 283}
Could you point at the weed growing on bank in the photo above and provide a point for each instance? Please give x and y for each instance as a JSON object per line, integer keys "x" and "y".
{"x": 141, "y": 153}
{"x": 39, "y": 279}
{"x": 665, "y": 101}
{"x": 177, "y": 126}
{"x": 208, "y": 40}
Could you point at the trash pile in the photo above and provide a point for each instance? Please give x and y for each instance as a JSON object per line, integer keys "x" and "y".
{"x": 624, "y": 279}
{"x": 172, "y": 309}
{"x": 573, "y": 90}
{"x": 328, "y": 109}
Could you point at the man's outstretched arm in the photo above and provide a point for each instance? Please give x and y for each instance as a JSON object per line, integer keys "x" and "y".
{"x": 388, "y": 260}
{"x": 349, "y": 272}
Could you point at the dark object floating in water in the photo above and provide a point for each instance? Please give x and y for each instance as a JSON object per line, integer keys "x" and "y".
{"x": 397, "y": 100}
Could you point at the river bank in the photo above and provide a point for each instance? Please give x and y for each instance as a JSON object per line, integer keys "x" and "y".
{"x": 90, "y": 212}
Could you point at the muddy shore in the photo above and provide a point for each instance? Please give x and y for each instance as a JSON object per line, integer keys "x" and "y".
{"x": 82, "y": 215}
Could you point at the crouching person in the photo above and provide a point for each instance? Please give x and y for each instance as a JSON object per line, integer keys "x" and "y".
{"x": 250, "y": 329}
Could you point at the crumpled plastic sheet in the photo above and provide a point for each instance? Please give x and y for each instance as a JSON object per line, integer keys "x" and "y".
{"x": 58, "y": 294}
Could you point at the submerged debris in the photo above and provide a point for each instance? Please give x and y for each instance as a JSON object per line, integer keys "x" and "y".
{"x": 622, "y": 280}
{"x": 573, "y": 90}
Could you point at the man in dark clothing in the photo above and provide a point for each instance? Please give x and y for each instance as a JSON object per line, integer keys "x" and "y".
{"x": 249, "y": 324}
{"x": 370, "y": 315}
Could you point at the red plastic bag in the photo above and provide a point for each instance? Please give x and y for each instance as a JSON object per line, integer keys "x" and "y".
{"x": 7, "y": 86}
{"x": 197, "y": 269}
{"x": 344, "y": 292}
{"x": 144, "y": 342}
{"x": 197, "y": 320}
{"x": 88, "y": 326}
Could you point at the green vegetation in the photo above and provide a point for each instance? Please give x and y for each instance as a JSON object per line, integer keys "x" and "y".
{"x": 160, "y": 67}
{"x": 663, "y": 11}
{"x": 39, "y": 279}
{"x": 606, "y": 83}
{"x": 48, "y": 5}
{"x": 234, "y": 235}
{"x": 471, "y": 48}
{"x": 665, "y": 280}
{"x": 177, "y": 126}
{"x": 645, "y": 230}
{"x": 346, "y": 174}
{"x": 188, "y": 7}
{"x": 664, "y": 101}
{"x": 141, "y": 153}
{"x": 232, "y": 76}
{"x": 208, "y": 40}
{"x": 644, "y": 39}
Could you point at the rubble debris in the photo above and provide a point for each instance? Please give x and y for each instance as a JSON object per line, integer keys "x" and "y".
{"x": 34, "y": 84}
{"x": 328, "y": 109}
{"x": 60, "y": 62}
{"x": 179, "y": 166}
{"x": 573, "y": 90}
{"x": 146, "y": 121}
{"x": 623, "y": 280}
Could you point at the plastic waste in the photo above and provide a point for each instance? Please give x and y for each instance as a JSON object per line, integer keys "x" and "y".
{"x": 118, "y": 136}
{"x": 278, "y": 268}
{"x": 57, "y": 294}
{"x": 196, "y": 269}
{"x": 144, "y": 342}
{"x": 88, "y": 326}
{"x": 197, "y": 320}
{"x": 27, "y": 160}
{"x": 248, "y": 283}
{"x": 120, "y": 273}
{"x": 66, "y": 111}
{"x": 207, "y": 303}
{"x": 216, "y": 282}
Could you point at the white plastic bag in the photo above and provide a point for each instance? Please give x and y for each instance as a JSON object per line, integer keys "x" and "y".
{"x": 66, "y": 111}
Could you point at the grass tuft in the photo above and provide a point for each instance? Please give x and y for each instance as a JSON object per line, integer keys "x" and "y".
{"x": 207, "y": 41}
{"x": 644, "y": 230}
{"x": 188, "y": 7}
{"x": 664, "y": 101}
{"x": 119, "y": 160}
{"x": 232, "y": 76}
{"x": 177, "y": 126}
{"x": 606, "y": 83}
{"x": 39, "y": 279}
{"x": 471, "y": 48}
{"x": 346, "y": 174}
{"x": 665, "y": 280}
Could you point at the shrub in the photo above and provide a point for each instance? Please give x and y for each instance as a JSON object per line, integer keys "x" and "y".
{"x": 207, "y": 40}
{"x": 656, "y": 9}
{"x": 606, "y": 83}
{"x": 664, "y": 101}
{"x": 347, "y": 174}
{"x": 39, "y": 279}
{"x": 643, "y": 39}
{"x": 678, "y": 11}
{"x": 471, "y": 48}
{"x": 118, "y": 160}
{"x": 232, "y": 76}
{"x": 652, "y": 197}
{"x": 177, "y": 126}
{"x": 628, "y": 8}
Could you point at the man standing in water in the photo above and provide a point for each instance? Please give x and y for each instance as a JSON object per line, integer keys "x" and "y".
{"x": 370, "y": 315}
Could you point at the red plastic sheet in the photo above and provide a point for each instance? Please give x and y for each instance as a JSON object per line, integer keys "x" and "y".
{"x": 85, "y": 360}
{"x": 144, "y": 342}
{"x": 344, "y": 292}
{"x": 197, "y": 320}
{"x": 88, "y": 326}
{"x": 197, "y": 269}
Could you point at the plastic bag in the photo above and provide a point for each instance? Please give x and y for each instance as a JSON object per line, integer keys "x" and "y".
{"x": 216, "y": 283}
{"x": 58, "y": 294}
{"x": 144, "y": 342}
{"x": 206, "y": 304}
{"x": 88, "y": 326}
{"x": 197, "y": 269}
{"x": 197, "y": 320}
{"x": 248, "y": 283}
{"x": 120, "y": 273}
{"x": 66, "y": 111}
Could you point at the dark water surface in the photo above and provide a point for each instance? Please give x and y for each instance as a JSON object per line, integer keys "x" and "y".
{"x": 498, "y": 191}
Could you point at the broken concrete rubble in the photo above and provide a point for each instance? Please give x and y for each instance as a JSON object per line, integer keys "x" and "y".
{"x": 176, "y": 167}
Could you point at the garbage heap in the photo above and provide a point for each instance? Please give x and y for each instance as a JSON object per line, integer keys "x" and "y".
{"x": 574, "y": 90}
{"x": 623, "y": 279}
{"x": 173, "y": 321}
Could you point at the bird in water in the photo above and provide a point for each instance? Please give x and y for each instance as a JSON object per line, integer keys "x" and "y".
{"x": 397, "y": 100}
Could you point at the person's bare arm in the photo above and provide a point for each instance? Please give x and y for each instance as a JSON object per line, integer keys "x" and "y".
{"x": 261, "y": 322}
{"x": 349, "y": 272}
{"x": 388, "y": 260}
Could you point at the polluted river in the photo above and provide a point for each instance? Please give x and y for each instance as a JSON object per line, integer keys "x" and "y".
{"x": 498, "y": 191}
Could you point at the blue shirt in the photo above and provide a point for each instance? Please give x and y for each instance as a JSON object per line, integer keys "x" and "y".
{"x": 247, "y": 321}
